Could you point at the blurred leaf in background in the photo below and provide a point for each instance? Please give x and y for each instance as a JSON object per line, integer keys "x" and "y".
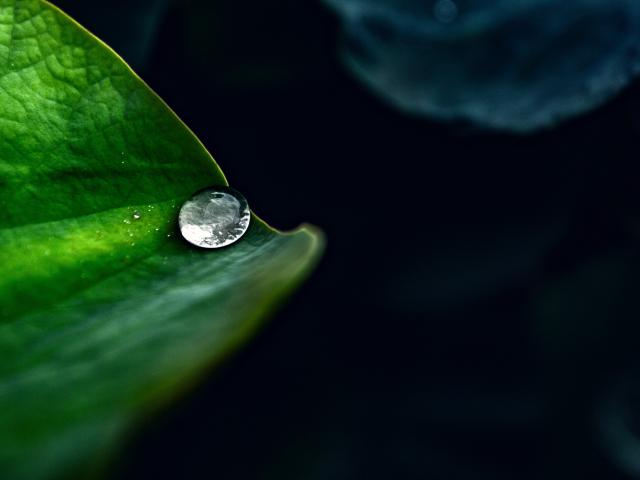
{"x": 509, "y": 64}
{"x": 617, "y": 420}
{"x": 586, "y": 324}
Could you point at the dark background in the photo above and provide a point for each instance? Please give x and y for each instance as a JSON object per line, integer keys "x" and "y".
{"x": 476, "y": 313}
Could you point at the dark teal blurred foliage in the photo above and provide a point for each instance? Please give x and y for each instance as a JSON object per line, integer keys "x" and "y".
{"x": 476, "y": 315}
{"x": 516, "y": 64}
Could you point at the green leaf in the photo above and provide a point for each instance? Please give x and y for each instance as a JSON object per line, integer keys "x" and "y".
{"x": 104, "y": 317}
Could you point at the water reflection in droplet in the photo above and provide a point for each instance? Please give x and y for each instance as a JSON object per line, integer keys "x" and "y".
{"x": 214, "y": 217}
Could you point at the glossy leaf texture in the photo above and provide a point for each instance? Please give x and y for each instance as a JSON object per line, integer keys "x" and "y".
{"x": 105, "y": 312}
{"x": 516, "y": 65}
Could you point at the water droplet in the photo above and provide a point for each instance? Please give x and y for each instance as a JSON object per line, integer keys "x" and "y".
{"x": 445, "y": 11}
{"x": 136, "y": 215}
{"x": 127, "y": 221}
{"x": 214, "y": 217}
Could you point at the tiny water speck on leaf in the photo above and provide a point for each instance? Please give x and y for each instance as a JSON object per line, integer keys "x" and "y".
{"x": 214, "y": 217}
{"x": 136, "y": 215}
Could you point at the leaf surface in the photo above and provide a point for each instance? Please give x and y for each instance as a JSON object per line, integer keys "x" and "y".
{"x": 104, "y": 315}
